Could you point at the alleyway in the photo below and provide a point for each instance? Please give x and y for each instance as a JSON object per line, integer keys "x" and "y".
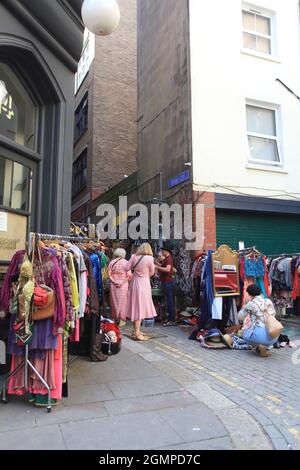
{"x": 167, "y": 393}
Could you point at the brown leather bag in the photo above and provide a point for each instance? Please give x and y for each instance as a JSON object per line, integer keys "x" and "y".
{"x": 42, "y": 312}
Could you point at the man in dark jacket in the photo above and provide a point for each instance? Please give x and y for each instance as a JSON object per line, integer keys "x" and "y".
{"x": 165, "y": 268}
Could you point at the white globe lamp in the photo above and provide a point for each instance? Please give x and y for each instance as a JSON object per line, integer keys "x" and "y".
{"x": 100, "y": 17}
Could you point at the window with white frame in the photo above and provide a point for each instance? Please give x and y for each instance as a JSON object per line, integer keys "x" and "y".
{"x": 258, "y": 31}
{"x": 262, "y": 131}
{"x": 87, "y": 56}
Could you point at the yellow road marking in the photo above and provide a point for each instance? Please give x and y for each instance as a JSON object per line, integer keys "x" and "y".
{"x": 274, "y": 399}
{"x": 295, "y": 433}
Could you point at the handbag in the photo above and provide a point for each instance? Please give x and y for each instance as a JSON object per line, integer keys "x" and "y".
{"x": 110, "y": 330}
{"x": 44, "y": 299}
{"x": 23, "y": 337}
{"x": 42, "y": 311}
{"x": 273, "y": 326}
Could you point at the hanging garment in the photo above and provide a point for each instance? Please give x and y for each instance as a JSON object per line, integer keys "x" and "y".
{"x": 118, "y": 293}
{"x": 82, "y": 279}
{"x": 140, "y": 304}
{"x": 74, "y": 285}
{"x": 217, "y": 308}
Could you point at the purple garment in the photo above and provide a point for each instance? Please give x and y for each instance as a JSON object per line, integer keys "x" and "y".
{"x": 13, "y": 269}
{"x": 51, "y": 273}
{"x": 43, "y": 339}
{"x": 67, "y": 288}
{"x": 44, "y": 331}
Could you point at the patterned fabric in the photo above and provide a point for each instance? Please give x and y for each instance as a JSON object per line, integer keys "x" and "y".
{"x": 67, "y": 287}
{"x": 118, "y": 293}
{"x": 255, "y": 308}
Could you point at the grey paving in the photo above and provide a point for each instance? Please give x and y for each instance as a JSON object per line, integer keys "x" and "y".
{"x": 194, "y": 422}
{"x": 221, "y": 443}
{"x": 155, "y": 402}
{"x": 167, "y": 393}
{"x": 134, "y": 431}
{"x": 143, "y": 387}
{"x": 46, "y": 438}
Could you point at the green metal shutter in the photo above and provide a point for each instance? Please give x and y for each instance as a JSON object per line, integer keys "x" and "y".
{"x": 269, "y": 233}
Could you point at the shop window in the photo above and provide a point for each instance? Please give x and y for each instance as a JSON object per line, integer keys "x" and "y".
{"x": 17, "y": 111}
{"x": 80, "y": 173}
{"x": 14, "y": 185}
{"x": 81, "y": 118}
{"x": 262, "y": 134}
{"x": 258, "y": 31}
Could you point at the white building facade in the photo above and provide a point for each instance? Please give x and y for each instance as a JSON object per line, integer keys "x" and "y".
{"x": 245, "y": 107}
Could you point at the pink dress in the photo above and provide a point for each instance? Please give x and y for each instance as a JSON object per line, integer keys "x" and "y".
{"x": 140, "y": 304}
{"x": 118, "y": 272}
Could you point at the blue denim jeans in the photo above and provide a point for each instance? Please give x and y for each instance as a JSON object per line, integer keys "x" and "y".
{"x": 258, "y": 335}
{"x": 167, "y": 288}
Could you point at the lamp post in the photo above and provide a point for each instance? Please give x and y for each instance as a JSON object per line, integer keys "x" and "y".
{"x": 100, "y": 17}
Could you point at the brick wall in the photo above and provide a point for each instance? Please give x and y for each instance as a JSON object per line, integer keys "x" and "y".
{"x": 115, "y": 101}
{"x": 210, "y": 226}
{"x": 164, "y": 106}
{"x": 85, "y": 140}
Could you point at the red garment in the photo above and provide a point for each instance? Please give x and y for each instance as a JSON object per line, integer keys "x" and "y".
{"x": 167, "y": 277}
{"x": 296, "y": 285}
{"x": 266, "y": 278}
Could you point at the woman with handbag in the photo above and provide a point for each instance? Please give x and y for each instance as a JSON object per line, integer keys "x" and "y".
{"x": 118, "y": 290}
{"x": 140, "y": 304}
{"x": 263, "y": 329}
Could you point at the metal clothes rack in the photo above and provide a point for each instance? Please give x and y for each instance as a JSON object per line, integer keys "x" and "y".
{"x": 27, "y": 363}
{"x": 284, "y": 255}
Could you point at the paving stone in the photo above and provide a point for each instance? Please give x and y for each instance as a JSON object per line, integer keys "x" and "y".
{"x": 17, "y": 414}
{"x": 280, "y": 444}
{"x": 139, "y": 431}
{"x": 143, "y": 387}
{"x": 194, "y": 422}
{"x": 209, "y": 397}
{"x": 244, "y": 431}
{"x": 45, "y": 438}
{"x": 221, "y": 443}
{"x": 63, "y": 414}
{"x": 88, "y": 394}
{"x": 155, "y": 402}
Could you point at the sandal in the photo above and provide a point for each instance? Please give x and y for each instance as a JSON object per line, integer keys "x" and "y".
{"x": 170, "y": 323}
{"x": 140, "y": 337}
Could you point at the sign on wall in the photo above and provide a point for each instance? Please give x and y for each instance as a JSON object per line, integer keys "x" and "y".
{"x": 185, "y": 176}
{"x": 13, "y": 234}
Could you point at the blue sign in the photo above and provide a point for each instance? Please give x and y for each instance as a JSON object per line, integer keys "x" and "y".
{"x": 185, "y": 176}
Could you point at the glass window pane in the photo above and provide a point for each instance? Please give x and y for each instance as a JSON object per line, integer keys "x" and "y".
{"x": 248, "y": 20}
{"x": 17, "y": 111}
{"x": 263, "y": 149}
{"x": 249, "y": 41}
{"x": 261, "y": 120}
{"x": 263, "y": 25}
{"x": 263, "y": 45}
{"x": 14, "y": 185}
{"x": 6, "y": 168}
{"x": 20, "y": 187}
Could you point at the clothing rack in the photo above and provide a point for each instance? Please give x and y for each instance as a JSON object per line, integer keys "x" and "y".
{"x": 284, "y": 255}
{"x": 48, "y": 236}
{"x": 26, "y": 363}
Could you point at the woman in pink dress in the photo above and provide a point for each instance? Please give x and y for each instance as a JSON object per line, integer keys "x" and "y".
{"x": 140, "y": 304}
{"x": 119, "y": 275}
